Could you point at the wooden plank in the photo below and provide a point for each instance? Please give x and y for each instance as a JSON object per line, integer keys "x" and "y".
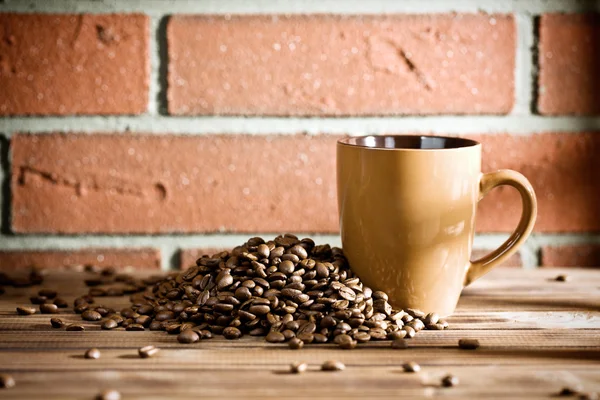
{"x": 516, "y": 339}
{"x": 199, "y": 359}
{"x": 476, "y": 382}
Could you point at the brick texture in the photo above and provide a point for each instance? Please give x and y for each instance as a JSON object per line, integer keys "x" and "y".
{"x": 341, "y": 65}
{"x": 571, "y": 256}
{"x": 136, "y": 258}
{"x": 150, "y": 184}
{"x": 241, "y": 183}
{"x": 569, "y": 58}
{"x": 73, "y": 64}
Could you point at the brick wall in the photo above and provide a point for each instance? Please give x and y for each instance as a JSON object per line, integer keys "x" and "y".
{"x": 144, "y": 134}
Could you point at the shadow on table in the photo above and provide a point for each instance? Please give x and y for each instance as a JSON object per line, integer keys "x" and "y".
{"x": 537, "y": 304}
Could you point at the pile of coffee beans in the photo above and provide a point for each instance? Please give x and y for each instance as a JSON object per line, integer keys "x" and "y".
{"x": 283, "y": 289}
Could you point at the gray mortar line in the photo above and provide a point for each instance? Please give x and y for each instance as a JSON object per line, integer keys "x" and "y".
{"x": 294, "y": 7}
{"x": 514, "y": 124}
{"x": 523, "y": 68}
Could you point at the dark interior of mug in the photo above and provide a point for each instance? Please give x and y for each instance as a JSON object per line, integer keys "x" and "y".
{"x": 409, "y": 142}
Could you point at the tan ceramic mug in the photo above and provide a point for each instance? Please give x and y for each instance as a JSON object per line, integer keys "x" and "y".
{"x": 407, "y": 215}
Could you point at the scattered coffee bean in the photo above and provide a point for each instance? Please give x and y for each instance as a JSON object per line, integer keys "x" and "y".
{"x": 468, "y": 344}
{"x": 298, "y": 367}
{"x": 75, "y": 328}
{"x": 345, "y": 342}
{"x": 588, "y": 396}
{"x": 92, "y": 354}
{"x": 57, "y": 323}
{"x": 25, "y": 310}
{"x": 411, "y": 367}
{"x": 400, "y": 344}
{"x": 449, "y": 381}
{"x": 570, "y": 390}
{"x": 232, "y": 333}
{"x": 109, "y": 395}
{"x": 332, "y": 365}
{"x": 60, "y": 302}
{"x": 275, "y": 337}
{"x": 91, "y": 315}
{"x": 7, "y": 381}
{"x": 109, "y": 324}
{"x": 188, "y": 336}
{"x": 48, "y": 308}
{"x": 135, "y": 328}
{"x": 562, "y": 278}
{"x": 47, "y": 293}
{"x": 38, "y": 299}
{"x": 295, "y": 344}
{"x": 148, "y": 351}
{"x": 399, "y": 334}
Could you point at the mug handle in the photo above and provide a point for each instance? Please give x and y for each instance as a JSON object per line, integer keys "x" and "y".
{"x": 488, "y": 182}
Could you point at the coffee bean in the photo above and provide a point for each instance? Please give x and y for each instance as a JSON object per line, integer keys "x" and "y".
{"x": 135, "y": 328}
{"x": 75, "y": 328}
{"x": 38, "y": 299}
{"x": 108, "y": 394}
{"x": 562, "y": 278}
{"x": 275, "y": 337}
{"x": 92, "y": 354}
{"x": 570, "y": 390}
{"x": 362, "y": 337}
{"x": 109, "y": 324}
{"x": 148, "y": 351}
{"x": 400, "y": 344}
{"x": 60, "y": 302}
{"x": 332, "y": 365}
{"x": 25, "y": 310}
{"x": 468, "y": 344}
{"x": 319, "y": 338}
{"x": 57, "y": 323}
{"x": 232, "y": 333}
{"x": 410, "y": 332}
{"x": 91, "y": 315}
{"x": 399, "y": 334}
{"x": 298, "y": 367}
{"x": 259, "y": 309}
{"x": 411, "y": 367}
{"x": 7, "y": 381}
{"x": 415, "y": 313}
{"x": 345, "y": 342}
{"x": 188, "y": 336}
{"x": 306, "y": 337}
{"x": 589, "y": 396}
{"x": 47, "y": 293}
{"x": 48, "y": 308}
{"x": 449, "y": 381}
{"x": 431, "y": 319}
{"x": 295, "y": 344}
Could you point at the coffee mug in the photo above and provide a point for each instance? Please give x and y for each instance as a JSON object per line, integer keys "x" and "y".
{"x": 407, "y": 216}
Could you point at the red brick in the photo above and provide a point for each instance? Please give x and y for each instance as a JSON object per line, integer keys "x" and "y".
{"x": 241, "y": 183}
{"x": 587, "y": 255}
{"x": 563, "y": 169}
{"x": 188, "y": 257}
{"x": 341, "y": 65}
{"x": 73, "y": 64}
{"x": 148, "y": 184}
{"x": 569, "y": 58}
{"x": 513, "y": 261}
{"x": 136, "y": 258}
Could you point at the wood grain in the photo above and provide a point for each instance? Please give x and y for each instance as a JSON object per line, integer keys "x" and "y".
{"x": 537, "y": 335}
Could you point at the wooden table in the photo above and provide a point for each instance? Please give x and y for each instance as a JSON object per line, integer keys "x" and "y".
{"x": 537, "y": 336}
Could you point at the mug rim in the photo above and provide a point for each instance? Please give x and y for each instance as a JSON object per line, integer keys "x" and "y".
{"x": 461, "y": 143}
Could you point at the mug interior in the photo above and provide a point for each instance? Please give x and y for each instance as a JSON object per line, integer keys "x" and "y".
{"x": 409, "y": 142}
